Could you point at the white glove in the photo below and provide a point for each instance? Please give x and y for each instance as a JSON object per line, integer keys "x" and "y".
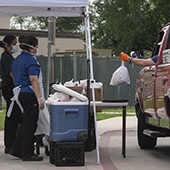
{"x": 41, "y": 103}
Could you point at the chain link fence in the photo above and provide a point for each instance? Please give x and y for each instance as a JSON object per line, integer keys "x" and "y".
{"x": 2, "y": 102}
{"x": 64, "y": 68}
{"x": 67, "y": 67}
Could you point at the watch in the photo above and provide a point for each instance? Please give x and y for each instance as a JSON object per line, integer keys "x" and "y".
{"x": 130, "y": 60}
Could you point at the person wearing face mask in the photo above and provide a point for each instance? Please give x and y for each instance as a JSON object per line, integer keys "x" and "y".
{"x": 26, "y": 73}
{"x": 9, "y": 44}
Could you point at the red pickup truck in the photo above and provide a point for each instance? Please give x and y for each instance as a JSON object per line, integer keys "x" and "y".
{"x": 153, "y": 94}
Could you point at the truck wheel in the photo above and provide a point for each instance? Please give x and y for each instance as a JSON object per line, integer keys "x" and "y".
{"x": 145, "y": 142}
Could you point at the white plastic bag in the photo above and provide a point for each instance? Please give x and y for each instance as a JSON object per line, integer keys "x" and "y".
{"x": 65, "y": 90}
{"x": 58, "y": 97}
{"x": 83, "y": 83}
{"x": 71, "y": 83}
{"x": 120, "y": 76}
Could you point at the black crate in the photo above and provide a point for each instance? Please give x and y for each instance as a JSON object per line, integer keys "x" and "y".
{"x": 90, "y": 144}
{"x": 67, "y": 153}
{"x": 52, "y": 146}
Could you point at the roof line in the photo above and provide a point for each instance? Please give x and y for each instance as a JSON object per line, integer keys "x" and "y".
{"x": 15, "y": 32}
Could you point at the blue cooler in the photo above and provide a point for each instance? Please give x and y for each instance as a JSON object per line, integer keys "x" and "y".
{"x": 69, "y": 121}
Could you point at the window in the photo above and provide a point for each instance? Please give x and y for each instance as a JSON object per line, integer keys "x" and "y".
{"x": 167, "y": 43}
{"x": 158, "y": 43}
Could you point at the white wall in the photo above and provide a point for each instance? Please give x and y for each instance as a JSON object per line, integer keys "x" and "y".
{"x": 61, "y": 44}
{"x": 4, "y": 22}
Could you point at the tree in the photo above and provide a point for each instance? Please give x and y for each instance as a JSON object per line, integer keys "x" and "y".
{"x": 63, "y": 24}
{"x": 120, "y": 25}
{"x": 125, "y": 25}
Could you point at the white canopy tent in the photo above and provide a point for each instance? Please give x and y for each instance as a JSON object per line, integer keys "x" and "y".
{"x": 55, "y": 8}
{"x": 60, "y": 8}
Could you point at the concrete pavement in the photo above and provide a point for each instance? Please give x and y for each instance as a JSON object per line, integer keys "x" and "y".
{"x": 110, "y": 146}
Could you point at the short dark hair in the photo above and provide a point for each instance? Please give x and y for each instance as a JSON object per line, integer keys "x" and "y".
{"x": 27, "y": 39}
{"x": 7, "y": 40}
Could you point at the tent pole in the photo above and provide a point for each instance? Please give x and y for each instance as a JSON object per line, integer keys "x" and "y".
{"x": 51, "y": 41}
{"x": 88, "y": 66}
{"x": 92, "y": 79}
{"x": 48, "y": 68}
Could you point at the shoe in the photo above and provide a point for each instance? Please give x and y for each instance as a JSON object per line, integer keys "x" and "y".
{"x": 7, "y": 151}
{"x": 33, "y": 158}
{"x": 18, "y": 155}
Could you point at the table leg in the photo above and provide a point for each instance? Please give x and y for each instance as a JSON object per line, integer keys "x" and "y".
{"x": 124, "y": 132}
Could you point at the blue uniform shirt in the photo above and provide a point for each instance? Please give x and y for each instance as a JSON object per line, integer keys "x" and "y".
{"x": 154, "y": 58}
{"x": 24, "y": 66}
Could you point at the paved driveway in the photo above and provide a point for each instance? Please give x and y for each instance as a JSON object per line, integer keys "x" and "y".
{"x": 136, "y": 158}
{"x": 110, "y": 144}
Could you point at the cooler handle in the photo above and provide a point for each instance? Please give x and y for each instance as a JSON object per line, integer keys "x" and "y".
{"x": 71, "y": 112}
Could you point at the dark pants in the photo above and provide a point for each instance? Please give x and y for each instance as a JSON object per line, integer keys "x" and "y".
{"x": 24, "y": 143}
{"x": 11, "y": 122}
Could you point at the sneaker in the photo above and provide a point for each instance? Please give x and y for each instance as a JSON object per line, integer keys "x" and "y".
{"x": 33, "y": 158}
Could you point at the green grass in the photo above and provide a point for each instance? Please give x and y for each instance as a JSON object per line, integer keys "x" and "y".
{"x": 128, "y": 110}
{"x": 2, "y": 118}
{"x": 102, "y": 116}
{"x": 110, "y": 113}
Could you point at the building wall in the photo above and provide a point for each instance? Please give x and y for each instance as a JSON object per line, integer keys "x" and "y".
{"x": 4, "y": 22}
{"x": 61, "y": 44}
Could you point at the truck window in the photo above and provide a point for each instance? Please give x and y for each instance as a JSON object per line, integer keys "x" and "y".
{"x": 158, "y": 43}
{"x": 166, "y": 50}
{"x": 167, "y": 43}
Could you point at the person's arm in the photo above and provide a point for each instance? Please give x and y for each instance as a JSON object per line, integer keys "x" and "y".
{"x": 7, "y": 61}
{"x": 35, "y": 85}
{"x": 36, "y": 88}
{"x": 142, "y": 62}
{"x": 139, "y": 62}
{"x": 11, "y": 76}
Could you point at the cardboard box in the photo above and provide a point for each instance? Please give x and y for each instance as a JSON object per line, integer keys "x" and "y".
{"x": 98, "y": 96}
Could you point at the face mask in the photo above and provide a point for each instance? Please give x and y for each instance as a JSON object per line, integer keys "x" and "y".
{"x": 31, "y": 47}
{"x": 14, "y": 48}
{"x": 36, "y": 52}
